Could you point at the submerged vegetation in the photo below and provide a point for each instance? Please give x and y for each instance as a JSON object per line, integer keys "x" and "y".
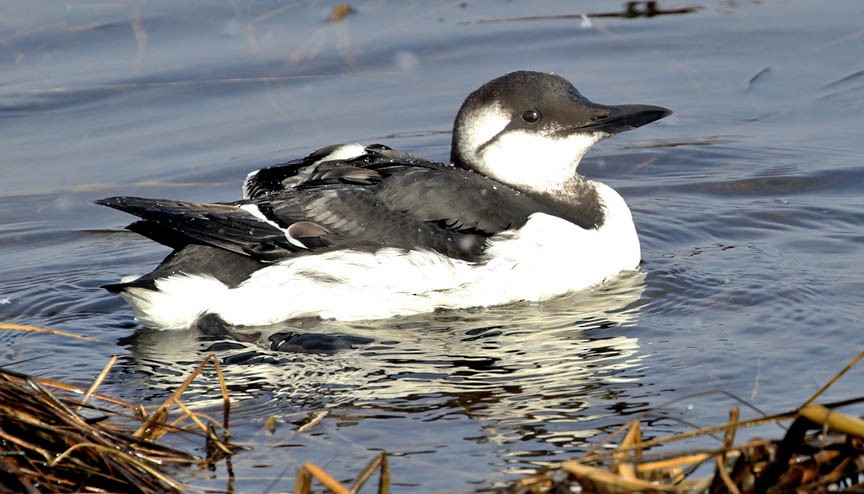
{"x": 60, "y": 437}
{"x": 821, "y": 451}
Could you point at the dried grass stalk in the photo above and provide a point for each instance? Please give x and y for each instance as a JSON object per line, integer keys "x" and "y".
{"x": 822, "y": 451}
{"x": 47, "y": 444}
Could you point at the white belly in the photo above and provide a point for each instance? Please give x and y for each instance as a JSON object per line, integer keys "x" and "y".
{"x": 547, "y": 257}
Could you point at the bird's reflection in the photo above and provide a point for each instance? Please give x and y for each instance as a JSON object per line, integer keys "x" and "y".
{"x": 505, "y": 364}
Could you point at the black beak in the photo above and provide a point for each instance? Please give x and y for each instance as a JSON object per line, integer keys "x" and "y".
{"x": 615, "y": 119}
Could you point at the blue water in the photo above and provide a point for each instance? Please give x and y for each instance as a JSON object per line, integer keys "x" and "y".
{"x": 748, "y": 202}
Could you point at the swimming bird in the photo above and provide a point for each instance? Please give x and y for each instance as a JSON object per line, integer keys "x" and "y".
{"x": 355, "y": 232}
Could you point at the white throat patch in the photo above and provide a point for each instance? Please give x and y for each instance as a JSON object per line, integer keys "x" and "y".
{"x": 520, "y": 158}
{"x": 534, "y": 161}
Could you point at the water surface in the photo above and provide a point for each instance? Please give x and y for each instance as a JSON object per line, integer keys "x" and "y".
{"x": 748, "y": 203}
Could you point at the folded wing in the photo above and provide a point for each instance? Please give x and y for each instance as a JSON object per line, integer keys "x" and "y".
{"x": 363, "y": 204}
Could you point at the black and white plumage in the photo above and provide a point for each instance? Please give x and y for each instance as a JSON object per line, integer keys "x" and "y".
{"x": 353, "y": 232}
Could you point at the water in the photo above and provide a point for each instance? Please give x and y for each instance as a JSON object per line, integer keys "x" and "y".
{"x": 747, "y": 201}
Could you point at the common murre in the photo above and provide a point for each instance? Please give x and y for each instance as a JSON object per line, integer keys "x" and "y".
{"x": 353, "y": 232}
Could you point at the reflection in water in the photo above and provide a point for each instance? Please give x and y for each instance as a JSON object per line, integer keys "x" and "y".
{"x": 520, "y": 369}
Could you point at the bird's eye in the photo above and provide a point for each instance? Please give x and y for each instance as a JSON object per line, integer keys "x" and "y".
{"x": 531, "y": 116}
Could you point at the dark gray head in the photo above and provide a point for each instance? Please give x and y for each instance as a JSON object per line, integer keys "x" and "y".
{"x": 530, "y": 129}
